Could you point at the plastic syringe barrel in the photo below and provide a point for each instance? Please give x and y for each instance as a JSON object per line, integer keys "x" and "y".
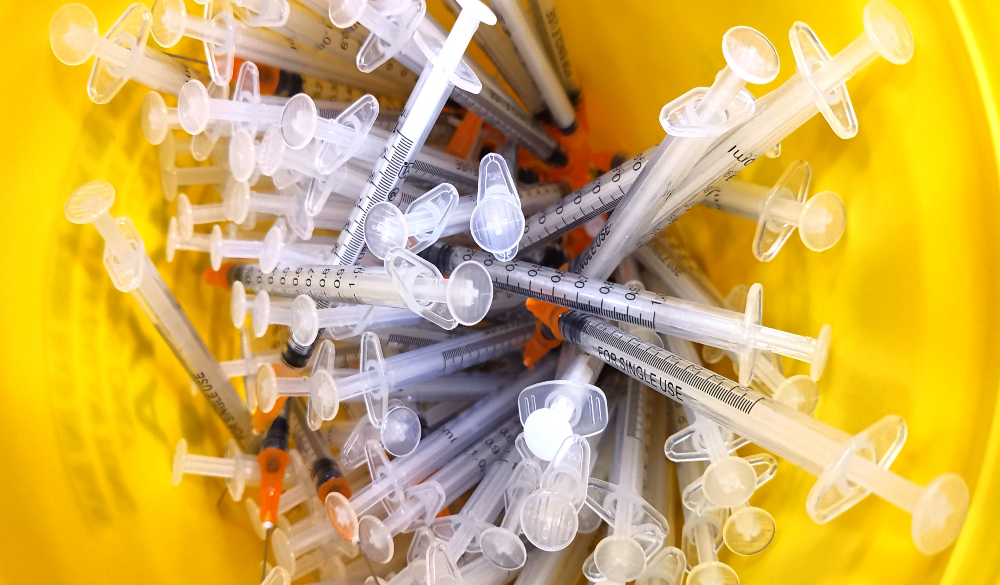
{"x": 627, "y": 468}
{"x": 170, "y": 74}
{"x": 322, "y": 282}
{"x": 460, "y": 475}
{"x": 440, "y": 358}
{"x": 695, "y": 322}
{"x": 173, "y": 325}
{"x": 498, "y": 48}
{"x": 430, "y": 165}
{"x": 449, "y": 440}
{"x": 486, "y": 500}
{"x": 804, "y": 441}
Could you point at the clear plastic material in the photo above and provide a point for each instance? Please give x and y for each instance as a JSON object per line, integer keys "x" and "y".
{"x": 820, "y": 79}
{"x": 121, "y": 54}
{"x": 781, "y": 209}
{"x": 225, "y": 39}
{"x": 345, "y": 321}
{"x": 637, "y": 529}
{"x": 848, "y": 469}
{"x": 553, "y": 411}
{"x": 378, "y": 377}
{"x": 696, "y": 120}
{"x": 420, "y": 504}
{"x": 729, "y": 330}
{"x": 422, "y": 108}
{"x": 549, "y": 515}
{"x": 682, "y": 278}
{"x": 406, "y": 281}
{"x": 132, "y": 271}
{"x": 522, "y": 34}
{"x": 388, "y": 228}
{"x": 433, "y": 452}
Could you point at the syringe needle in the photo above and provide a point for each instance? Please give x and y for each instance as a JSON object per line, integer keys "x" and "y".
{"x": 267, "y": 543}
{"x": 371, "y": 569}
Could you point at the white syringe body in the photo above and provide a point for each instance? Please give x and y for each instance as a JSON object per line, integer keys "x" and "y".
{"x": 682, "y": 280}
{"x": 152, "y": 69}
{"x": 226, "y": 34}
{"x": 778, "y": 114}
{"x": 354, "y": 285}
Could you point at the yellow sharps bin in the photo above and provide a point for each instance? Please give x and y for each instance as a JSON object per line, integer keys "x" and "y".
{"x": 94, "y": 402}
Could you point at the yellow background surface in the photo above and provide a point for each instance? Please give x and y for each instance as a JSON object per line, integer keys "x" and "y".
{"x": 94, "y": 401}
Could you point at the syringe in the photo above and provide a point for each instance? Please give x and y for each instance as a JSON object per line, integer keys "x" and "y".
{"x": 422, "y": 108}
{"x": 701, "y": 324}
{"x": 121, "y": 54}
{"x": 433, "y": 452}
{"x": 702, "y": 536}
{"x": 132, "y": 271}
{"x": 893, "y": 41}
{"x": 683, "y": 279}
{"x": 779, "y": 210}
{"x": 316, "y": 454}
{"x": 498, "y": 48}
{"x": 696, "y": 120}
{"x": 236, "y": 467}
{"x": 491, "y": 102}
{"x": 419, "y": 504}
{"x": 225, "y": 38}
{"x": 848, "y": 468}
{"x": 378, "y": 377}
{"x": 529, "y": 47}
{"x": 547, "y": 21}
{"x": 818, "y": 86}
{"x": 345, "y": 321}
{"x": 407, "y": 281}
{"x": 637, "y": 529}
{"x": 462, "y": 532}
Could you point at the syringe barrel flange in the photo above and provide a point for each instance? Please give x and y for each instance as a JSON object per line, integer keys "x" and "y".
{"x": 554, "y": 410}
{"x": 832, "y": 494}
{"x": 497, "y": 222}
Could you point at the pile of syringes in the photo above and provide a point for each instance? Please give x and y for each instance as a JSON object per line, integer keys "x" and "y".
{"x": 423, "y": 235}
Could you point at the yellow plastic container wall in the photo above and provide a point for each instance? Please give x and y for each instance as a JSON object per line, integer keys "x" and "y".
{"x": 94, "y": 402}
